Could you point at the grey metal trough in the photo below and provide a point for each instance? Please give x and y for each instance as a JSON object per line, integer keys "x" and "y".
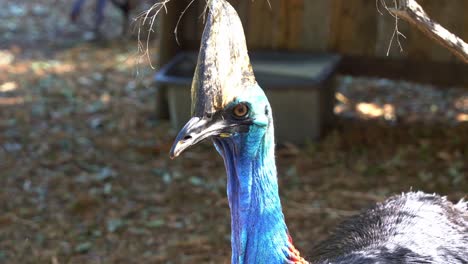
{"x": 299, "y": 87}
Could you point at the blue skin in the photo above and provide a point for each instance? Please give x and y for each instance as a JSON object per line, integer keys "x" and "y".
{"x": 259, "y": 232}
{"x": 99, "y": 16}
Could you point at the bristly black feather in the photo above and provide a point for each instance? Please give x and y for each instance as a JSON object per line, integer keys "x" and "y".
{"x": 410, "y": 228}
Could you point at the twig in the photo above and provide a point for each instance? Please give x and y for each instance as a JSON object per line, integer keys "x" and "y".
{"x": 180, "y": 18}
{"x": 396, "y": 31}
{"x": 413, "y": 13}
{"x": 150, "y": 16}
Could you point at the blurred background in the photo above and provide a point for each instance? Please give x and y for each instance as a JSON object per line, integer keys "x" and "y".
{"x": 85, "y": 129}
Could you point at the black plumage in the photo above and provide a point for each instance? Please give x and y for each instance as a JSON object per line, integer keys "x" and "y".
{"x": 414, "y": 227}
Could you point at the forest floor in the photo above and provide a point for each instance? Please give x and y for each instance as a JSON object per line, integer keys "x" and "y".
{"x": 84, "y": 164}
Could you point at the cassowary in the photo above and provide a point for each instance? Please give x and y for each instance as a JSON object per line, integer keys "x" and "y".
{"x": 125, "y": 6}
{"x": 230, "y": 108}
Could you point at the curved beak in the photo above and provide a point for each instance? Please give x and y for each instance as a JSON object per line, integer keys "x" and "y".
{"x": 196, "y": 130}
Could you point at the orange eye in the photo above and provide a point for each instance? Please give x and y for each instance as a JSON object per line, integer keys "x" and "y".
{"x": 240, "y": 110}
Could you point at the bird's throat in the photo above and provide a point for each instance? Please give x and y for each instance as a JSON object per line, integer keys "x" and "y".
{"x": 259, "y": 233}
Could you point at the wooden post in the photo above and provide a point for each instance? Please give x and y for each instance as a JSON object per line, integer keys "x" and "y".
{"x": 168, "y": 48}
{"x": 353, "y": 27}
{"x": 316, "y": 25}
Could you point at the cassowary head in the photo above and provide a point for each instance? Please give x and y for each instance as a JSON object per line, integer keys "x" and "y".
{"x": 227, "y": 102}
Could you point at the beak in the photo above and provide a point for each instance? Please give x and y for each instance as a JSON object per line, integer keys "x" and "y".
{"x": 196, "y": 130}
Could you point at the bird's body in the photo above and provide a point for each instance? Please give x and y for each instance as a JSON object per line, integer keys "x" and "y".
{"x": 231, "y": 109}
{"x": 413, "y": 227}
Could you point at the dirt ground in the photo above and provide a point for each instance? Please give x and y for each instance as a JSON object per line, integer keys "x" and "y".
{"x": 84, "y": 164}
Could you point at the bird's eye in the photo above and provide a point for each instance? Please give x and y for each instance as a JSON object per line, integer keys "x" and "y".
{"x": 241, "y": 110}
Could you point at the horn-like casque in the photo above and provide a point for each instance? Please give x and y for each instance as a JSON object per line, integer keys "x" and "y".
{"x": 223, "y": 67}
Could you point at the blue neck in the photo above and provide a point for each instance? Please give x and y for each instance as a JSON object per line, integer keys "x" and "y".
{"x": 259, "y": 232}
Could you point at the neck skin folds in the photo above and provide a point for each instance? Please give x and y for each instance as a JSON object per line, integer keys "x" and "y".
{"x": 258, "y": 230}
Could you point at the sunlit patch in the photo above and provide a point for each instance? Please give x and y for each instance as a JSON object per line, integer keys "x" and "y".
{"x": 6, "y": 57}
{"x": 341, "y": 98}
{"x": 389, "y": 100}
{"x": 11, "y": 100}
{"x": 389, "y": 112}
{"x": 341, "y": 108}
{"x": 127, "y": 61}
{"x": 371, "y": 110}
{"x": 19, "y": 68}
{"x": 105, "y": 98}
{"x": 8, "y": 87}
{"x": 461, "y": 103}
{"x": 462, "y": 117}
{"x": 42, "y": 67}
{"x": 64, "y": 68}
